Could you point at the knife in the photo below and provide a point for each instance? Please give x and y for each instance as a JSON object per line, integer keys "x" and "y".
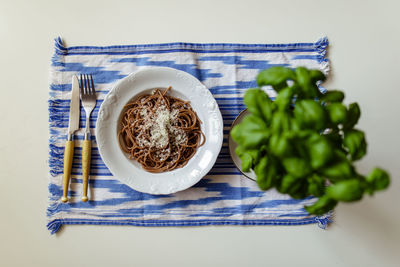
{"x": 73, "y": 125}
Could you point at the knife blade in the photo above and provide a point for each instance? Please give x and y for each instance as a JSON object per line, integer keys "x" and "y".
{"x": 74, "y": 109}
{"x": 73, "y": 126}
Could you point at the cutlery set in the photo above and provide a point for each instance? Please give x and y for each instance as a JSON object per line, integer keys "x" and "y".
{"x": 85, "y": 88}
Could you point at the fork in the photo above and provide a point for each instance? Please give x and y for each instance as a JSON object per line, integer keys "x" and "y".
{"x": 88, "y": 98}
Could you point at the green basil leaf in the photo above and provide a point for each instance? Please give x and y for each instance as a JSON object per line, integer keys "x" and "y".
{"x": 305, "y": 134}
{"x": 378, "y": 179}
{"x": 316, "y": 185}
{"x": 251, "y": 132}
{"x": 258, "y": 103}
{"x": 333, "y": 96}
{"x": 299, "y": 142}
{"x": 295, "y": 187}
{"x": 298, "y": 167}
{"x": 295, "y": 125}
{"x": 310, "y": 114}
{"x": 340, "y": 155}
{"x": 348, "y": 190}
{"x": 317, "y": 75}
{"x": 353, "y": 115}
{"x": 338, "y": 170}
{"x": 255, "y": 155}
{"x": 309, "y": 89}
{"x": 280, "y": 145}
{"x": 277, "y": 77}
{"x": 337, "y": 113}
{"x": 263, "y": 148}
{"x": 266, "y": 171}
{"x": 335, "y": 138}
{"x": 239, "y": 150}
{"x": 246, "y": 162}
{"x": 280, "y": 122}
{"x": 322, "y": 206}
{"x": 285, "y": 98}
{"x": 249, "y": 157}
{"x": 244, "y": 157}
{"x": 299, "y": 190}
{"x": 301, "y": 150}
{"x": 287, "y": 182}
{"x": 354, "y": 141}
{"x": 303, "y": 76}
{"x": 320, "y": 150}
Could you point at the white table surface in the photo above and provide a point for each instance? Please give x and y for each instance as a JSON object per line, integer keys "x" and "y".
{"x": 364, "y": 52}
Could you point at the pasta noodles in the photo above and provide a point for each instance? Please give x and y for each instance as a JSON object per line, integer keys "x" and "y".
{"x": 160, "y": 132}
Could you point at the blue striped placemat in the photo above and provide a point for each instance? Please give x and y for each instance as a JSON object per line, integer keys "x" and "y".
{"x": 223, "y": 197}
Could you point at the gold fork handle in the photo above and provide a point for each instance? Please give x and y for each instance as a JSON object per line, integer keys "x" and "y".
{"x": 68, "y": 156}
{"x": 86, "y": 155}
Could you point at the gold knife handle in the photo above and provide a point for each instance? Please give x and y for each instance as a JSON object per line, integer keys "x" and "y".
{"x": 86, "y": 155}
{"x": 68, "y": 156}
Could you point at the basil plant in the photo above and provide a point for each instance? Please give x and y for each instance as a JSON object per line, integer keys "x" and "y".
{"x": 304, "y": 143}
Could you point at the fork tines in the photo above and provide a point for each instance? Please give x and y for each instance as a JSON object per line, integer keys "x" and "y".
{"x": 86, "y": 84}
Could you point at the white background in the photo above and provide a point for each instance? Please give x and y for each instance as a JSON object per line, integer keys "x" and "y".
{"x": 364, "y": 52}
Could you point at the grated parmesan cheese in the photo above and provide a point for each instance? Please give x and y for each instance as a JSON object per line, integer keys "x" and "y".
{"x": 161, "y": 125}
{"x": 159, "y": 131}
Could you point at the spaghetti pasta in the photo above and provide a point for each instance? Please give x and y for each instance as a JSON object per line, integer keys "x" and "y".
{"x": 160, "y": 132}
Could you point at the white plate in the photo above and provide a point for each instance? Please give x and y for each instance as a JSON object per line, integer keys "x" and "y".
{"x": 232, "y": 146}
{"x": 184, "y": 86}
